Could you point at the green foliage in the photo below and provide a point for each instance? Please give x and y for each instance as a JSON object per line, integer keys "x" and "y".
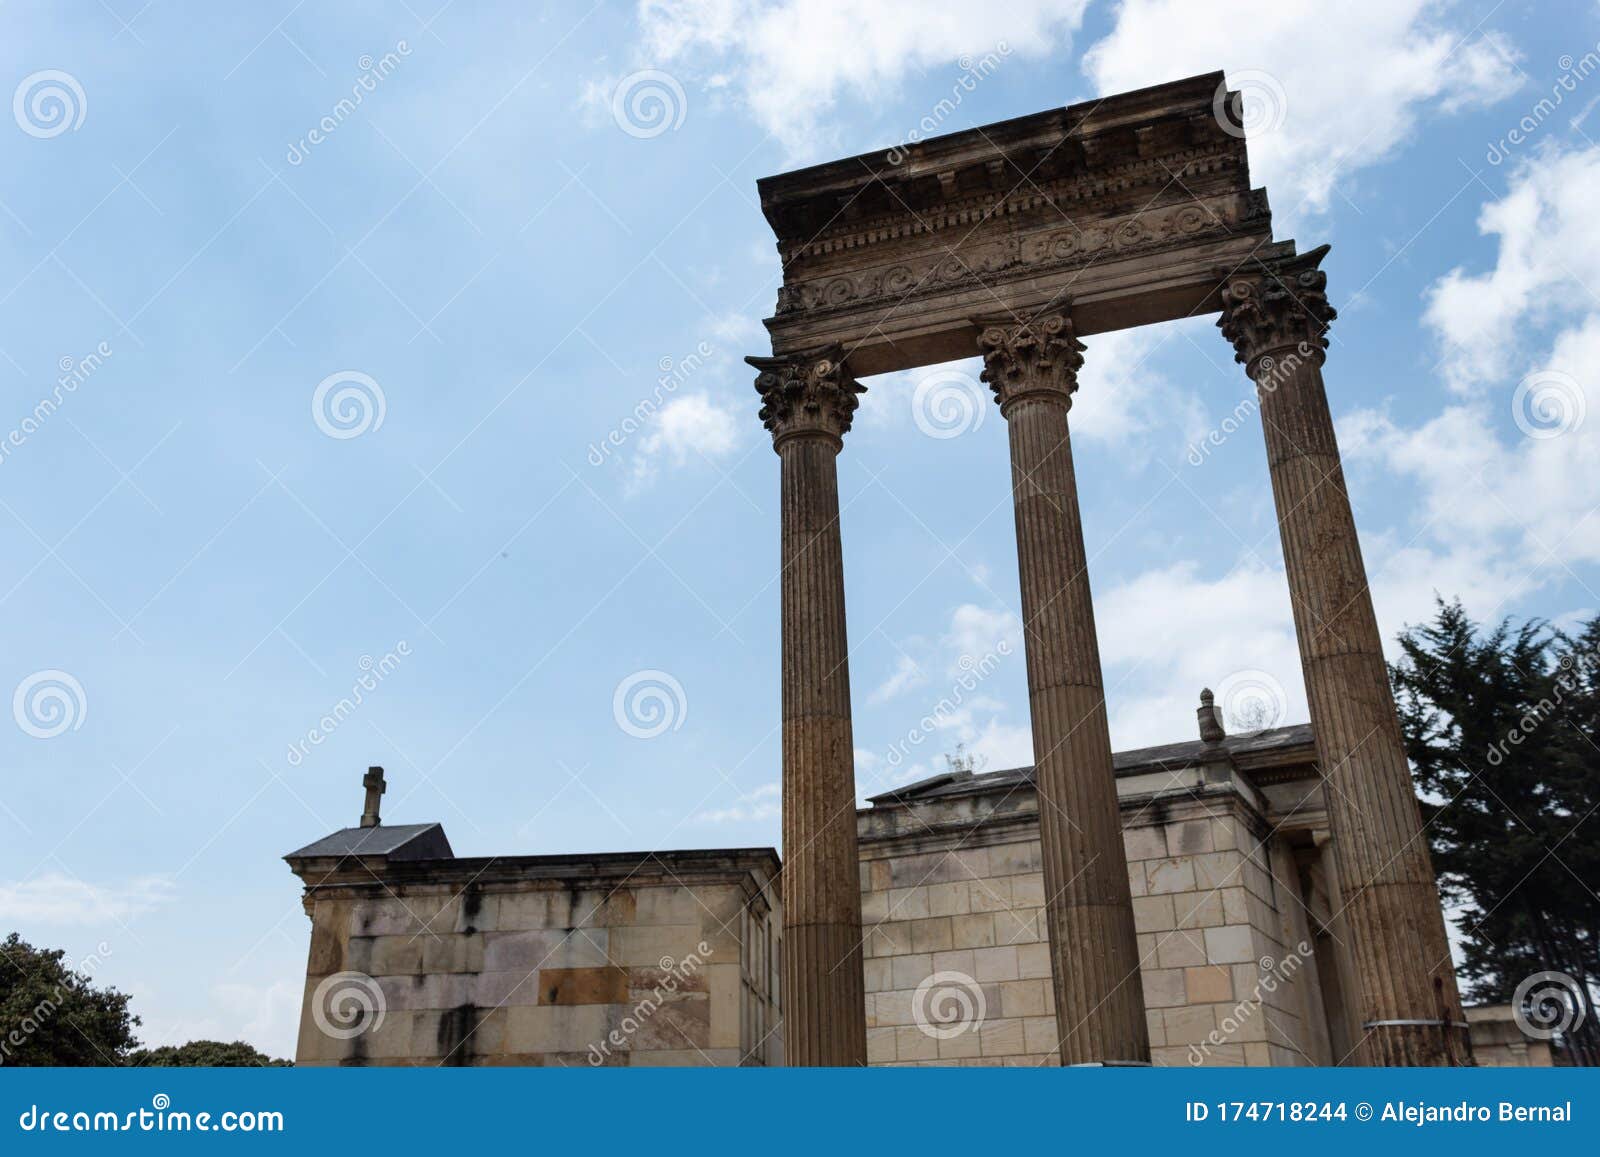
{"x": 203, "y": 1053}
{"x": 1502, "y": 726}
{"x": 51, "y": 1014}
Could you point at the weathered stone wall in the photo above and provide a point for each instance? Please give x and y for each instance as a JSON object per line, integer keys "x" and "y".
{"x": 957, "y": 969}
{"x": 540, "y": 971}
{"x": 1499, "y": 1042}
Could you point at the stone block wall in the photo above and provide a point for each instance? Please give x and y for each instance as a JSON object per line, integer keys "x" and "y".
{"x": 958, "y": 968}
{"x": 1221, "y": 974}
{"x": 539, "y": 971}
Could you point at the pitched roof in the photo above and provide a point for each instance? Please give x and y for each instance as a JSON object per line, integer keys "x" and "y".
{"x": 1168, "y": 755}
{"x": 396, "y": 841}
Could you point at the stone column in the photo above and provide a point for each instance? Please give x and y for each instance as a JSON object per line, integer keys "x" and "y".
{"x": 1032, "y": 367}
{"x": 1275, "y": 313}
{"x": 807, "y": 403}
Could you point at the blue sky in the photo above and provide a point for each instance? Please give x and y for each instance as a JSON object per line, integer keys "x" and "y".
{"x": 202, "y": 564}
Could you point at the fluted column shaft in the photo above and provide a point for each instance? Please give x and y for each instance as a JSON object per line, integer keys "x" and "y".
{"x": 808, "y": 406}
{"x": 1094, "y": 952}
{"x": 1409, "y": 1008}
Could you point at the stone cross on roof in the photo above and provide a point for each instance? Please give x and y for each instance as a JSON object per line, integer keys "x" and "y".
{"x": 373, "y": 782}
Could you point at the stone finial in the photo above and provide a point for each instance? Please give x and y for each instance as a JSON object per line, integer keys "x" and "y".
{"x": 1276, "y": 304}
{"x": 807, "y": 393}
{"x": 1211, "y": 729}
{"x": 373, "y": 782}
{"x": 1037, "y": 357}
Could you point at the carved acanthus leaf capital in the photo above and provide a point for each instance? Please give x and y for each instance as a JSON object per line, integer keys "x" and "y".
{"x": 1277, "y": 304}
{"x": 811, "y": 393}
{"x": 1039, "y": 357}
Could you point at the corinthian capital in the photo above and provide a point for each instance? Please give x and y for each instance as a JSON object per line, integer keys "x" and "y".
{"x": 1280, "y": 303}
{"x": 1039, "y": 357}
{"x": 808, "y": 393}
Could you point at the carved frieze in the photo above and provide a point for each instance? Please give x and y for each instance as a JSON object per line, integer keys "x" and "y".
{"x": 986, "y": 260}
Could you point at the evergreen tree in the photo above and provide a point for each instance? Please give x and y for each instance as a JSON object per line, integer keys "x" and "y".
{"x": 1501, "y": 727}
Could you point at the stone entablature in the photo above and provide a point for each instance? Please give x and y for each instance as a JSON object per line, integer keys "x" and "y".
{"x": 1131, "y": 203}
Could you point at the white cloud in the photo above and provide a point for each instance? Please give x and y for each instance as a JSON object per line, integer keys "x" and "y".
{"x": 1523, "y": 506}
{"x": 978, "y": 631}
{"x": 1341, "y": 85}
{"x": 789, "y": 63}
{"x": 264, "y": 1015}
{"x": 959, "y": 707}
{"x": 1001, "y": 746}
{"x": 1549, "y": 240}
{"x": 1169, "y": 632}
{"x": 764, "y": 803}
{"x": 56, "y": 898}
{"x": 685, "y": 429}
{"x": 1125, "y": 402}
{"x": 906, "y": 675}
